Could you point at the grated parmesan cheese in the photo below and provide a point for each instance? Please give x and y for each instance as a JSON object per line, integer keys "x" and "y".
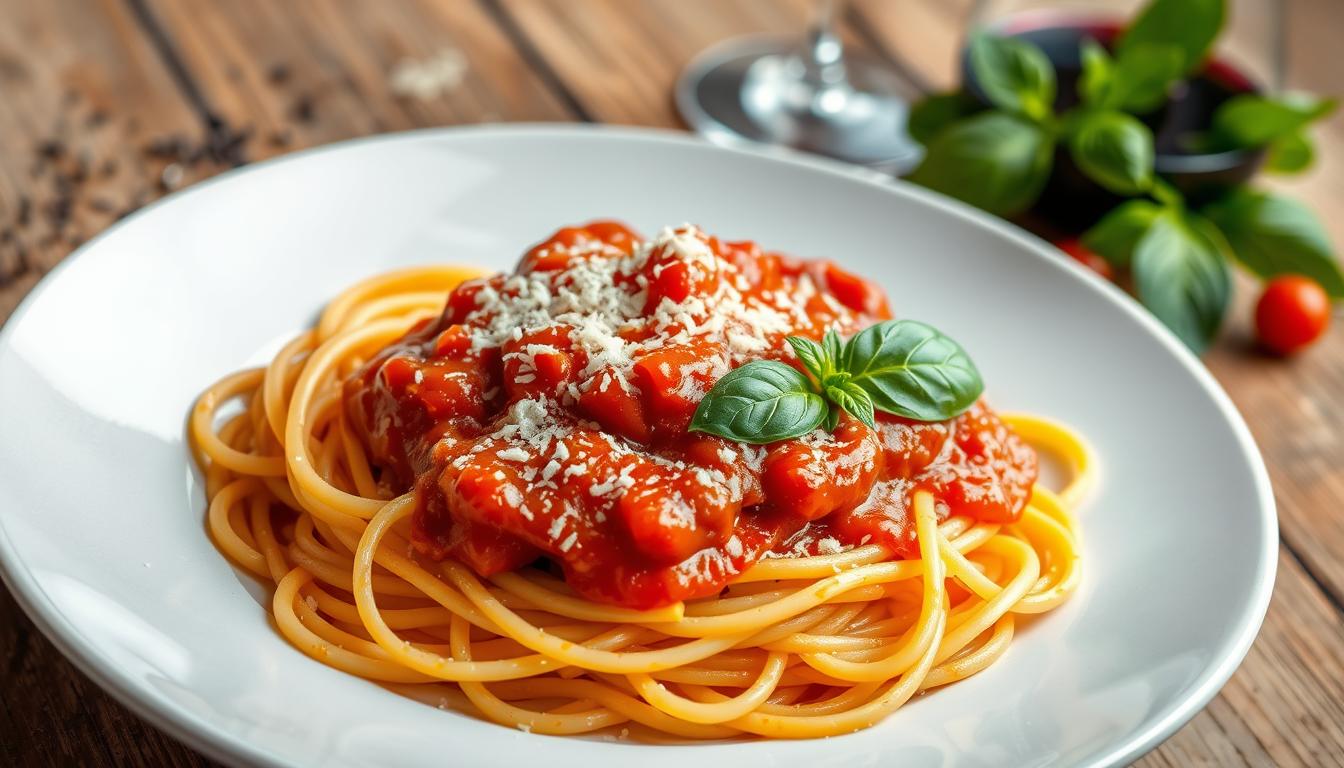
{"x": 514, "y": 454}
{"x": 602, "y": 313}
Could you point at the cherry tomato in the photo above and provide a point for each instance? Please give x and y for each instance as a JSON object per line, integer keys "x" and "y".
{"x": 1292, "y": 312}
{"x": 1080, "y": 253}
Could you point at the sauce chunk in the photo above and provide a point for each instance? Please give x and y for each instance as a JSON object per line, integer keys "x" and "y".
{"x": 545, "y": 414}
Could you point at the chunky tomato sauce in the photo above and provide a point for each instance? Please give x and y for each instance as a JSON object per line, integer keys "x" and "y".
{"x": 545, "y": 414}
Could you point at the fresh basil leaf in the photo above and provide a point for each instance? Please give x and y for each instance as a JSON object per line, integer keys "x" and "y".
{"x": 1164, "y": 193}
{"x": 912, "y": 370}
{"x": 994, "y": 161}
{"x": 1115, "y": 150}
{"x": 1094, "y": 84}
{"x": 1249, "y": 120}
{"x": 760, "y": 402}
{"x": 1143, "y": 75}
{"x": 934, "y": 114}
{"x": 832, "y": 419}
{"x": 1293, "y": 153}
{"x": 1190, "y": 26}
{"x": 1119, "y": 232}
{"x": 1181, "y": 277}
{"x": 855, "y": 401}
{"x": 1014, "y": 75}
{"x": 810, "y": 354}
{"x": 833, "y": 346}
{"x": 835, "y": 379}
{"x": 1136, "y": 82}
{"x": 1275, "y": 235}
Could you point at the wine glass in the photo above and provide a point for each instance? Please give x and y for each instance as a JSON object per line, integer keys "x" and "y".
{"x": 808, "y": 94}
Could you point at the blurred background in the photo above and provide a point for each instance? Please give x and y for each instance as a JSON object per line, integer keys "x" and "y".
{"x": 106, "y": 105}
{"x": 199, "y": 85}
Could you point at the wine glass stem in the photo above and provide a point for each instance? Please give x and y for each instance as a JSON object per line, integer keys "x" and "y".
{"x": 823, "y": 55}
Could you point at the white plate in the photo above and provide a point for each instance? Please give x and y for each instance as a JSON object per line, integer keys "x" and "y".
{"x": 101, "y": 516}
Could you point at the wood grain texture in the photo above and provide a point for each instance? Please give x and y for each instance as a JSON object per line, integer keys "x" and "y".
{"x": 50, "y": 714}
{"x": 1294, "y": 407}
{"x": 317, "y": 72}
{"x": 273, "y": 77}
{"x": 82, "y": 74}
{"x": 1285, "y": 705}
{"x": 925, "y": 36}
{"x": 80, "y": 89}
{"x": 621, "y": 60}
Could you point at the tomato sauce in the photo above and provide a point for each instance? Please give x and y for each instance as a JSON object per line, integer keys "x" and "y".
{"x": 544, "y": 414}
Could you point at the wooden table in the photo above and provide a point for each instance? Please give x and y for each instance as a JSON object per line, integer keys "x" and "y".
{"x": 106, "y": 104}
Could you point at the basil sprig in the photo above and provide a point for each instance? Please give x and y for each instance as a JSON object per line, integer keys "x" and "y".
{"x": 1272, "y": 235}
{"x": 1187, "y": 26}
{"x": 901, "y": 367}
{"x": 1179, "y": 257}
{"x": 997, "y": 152}
{"x": 1000, "y": 159}
{"x": 1277, "y": 122}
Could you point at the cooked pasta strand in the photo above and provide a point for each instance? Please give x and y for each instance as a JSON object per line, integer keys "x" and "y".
{"x": 795, "y": 647}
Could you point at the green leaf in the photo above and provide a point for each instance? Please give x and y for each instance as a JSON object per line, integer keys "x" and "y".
{"x": 1136, "y": 82}
{"x": 1249, "y": 120}
{"x": 811, "y": 355}
{"x": 855, "y": 401}
{"x": 1094, "y": 84}
{"x": 995, "y": 161}
{"x": 760, "y": 402}
{"x": 1014, "y": 75}
{"x": 1274, "y": 235}
{"x": 1164, "y": 193}
{"x": 834, "y": 347}
{"x": 1293, "y": 153}
{"x": 912, "y": 370}
{"x": 832, "y": 419}
{"x": 1115, "y": 237}
{"x": 1115, "y": 150}
{"x": 1143, "y": 75}
{"x": 1181, "y": 277}
{"x": 934, "y": 114}
{"x": 1190, "y": 26}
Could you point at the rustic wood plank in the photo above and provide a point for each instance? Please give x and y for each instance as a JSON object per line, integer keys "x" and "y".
{"x": 529, "y": 59}
{"x": 1295, "y": 413}
{"x": 81, "y": 90}
{"x": 924, "y": 36}
{"x": 1293, "y": 406}
{"x": 621, "y": 60}
{"x": 1285, "y": 705}
{"x": 50, "y": 714}
{"x": 82, "y": 79}
{"x": 311, "y": 73}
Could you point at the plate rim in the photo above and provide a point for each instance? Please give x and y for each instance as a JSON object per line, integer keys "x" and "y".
{"x": 221, "y": 744}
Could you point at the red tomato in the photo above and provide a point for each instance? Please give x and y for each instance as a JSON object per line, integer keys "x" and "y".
{"x": 853, "y": 291}
{"x": 1080, "y": 253}
{"x": 1292, "y": 312}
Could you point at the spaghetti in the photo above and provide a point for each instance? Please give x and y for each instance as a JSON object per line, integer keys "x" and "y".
{"x": 810, "y": 645}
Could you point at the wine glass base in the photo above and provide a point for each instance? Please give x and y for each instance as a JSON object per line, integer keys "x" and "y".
{"x": 752, "y": 90}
